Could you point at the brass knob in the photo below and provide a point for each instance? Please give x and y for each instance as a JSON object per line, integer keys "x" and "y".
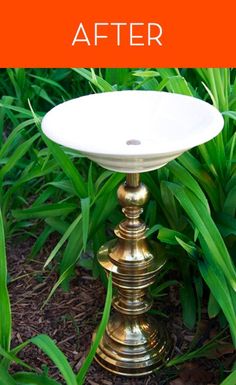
{"x": 132, "y": 196}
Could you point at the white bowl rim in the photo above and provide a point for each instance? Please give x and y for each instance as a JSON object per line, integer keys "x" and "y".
{"x": 217, "y": 123}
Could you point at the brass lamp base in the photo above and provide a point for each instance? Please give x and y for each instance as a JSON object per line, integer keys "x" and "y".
{"x": 134, "y": 343}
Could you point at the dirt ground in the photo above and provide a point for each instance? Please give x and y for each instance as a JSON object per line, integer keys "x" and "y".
{"x": 71, "y": 317}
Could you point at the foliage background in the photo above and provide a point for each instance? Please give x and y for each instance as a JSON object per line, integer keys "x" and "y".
{"x": 46, "y": 189}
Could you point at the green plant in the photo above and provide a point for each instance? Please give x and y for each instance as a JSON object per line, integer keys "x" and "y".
{"x": 44, "y": 342}
{"x": 192, "y": 206}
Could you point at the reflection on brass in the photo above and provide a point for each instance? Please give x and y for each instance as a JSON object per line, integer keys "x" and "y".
{"x": 134, "y": 343}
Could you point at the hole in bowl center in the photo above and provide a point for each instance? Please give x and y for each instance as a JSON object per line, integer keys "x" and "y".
{"x": 134, "y": 142}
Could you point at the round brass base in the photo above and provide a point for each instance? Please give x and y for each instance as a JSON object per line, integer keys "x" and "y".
{"x": 133, "y": 346}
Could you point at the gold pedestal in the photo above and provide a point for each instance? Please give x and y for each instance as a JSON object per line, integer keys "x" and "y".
{"x": 134, "y": 343}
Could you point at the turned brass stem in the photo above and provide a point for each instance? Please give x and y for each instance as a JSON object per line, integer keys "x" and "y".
{"x": 134, "y": 343}
{"x": 132, "y": 180}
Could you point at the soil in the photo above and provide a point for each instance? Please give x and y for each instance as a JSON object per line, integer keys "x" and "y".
{"x": 71, "y": 317}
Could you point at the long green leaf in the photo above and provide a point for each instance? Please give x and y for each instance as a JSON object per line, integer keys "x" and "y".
{"x": 44, "y": 211}
{"x": 217, "y": 251}
{"x": 73, "y": 248}
{"x": 48, "y": 346}
{"x": 194, "y": 166}
{"x": 17, "y": 155}
{"x": 24, "y": 378}
{"x": 22, "y": 111}
{"x": 99, "y": 334}
{"x": 186, "y": 178}
{"x": 85, "y": 208}
{"x": 230, "y": 380}
{"x": 40, "y": 241}
{"x": 63, "y": 239}
{"x": 6, "y": 378}
{"x": 5, "y": 307}
{"x": 170, "y": 236}
{"x": 65, "y": 275}
{"x": 216, "y": 281}
{"x": 5, "y": 100}
{"x": 73, "y": 251}
{"x": 103, "y": 207}
{"x": 203, "y": 351}
{"x": 67, "y": 166}
{"x": 96, "y": 80}
{"x": 42, "y": 94}
{"x": 13, "y": 136}
{"x": 213, "y": 307}
{"x": 10, "y": 357}
{"x": 51, "y": 83}
{"x": 175, "y": 82}
{"x": 109, "y": 185}
{"x": 188, "y": 304}
{"x": 230, "y": 114}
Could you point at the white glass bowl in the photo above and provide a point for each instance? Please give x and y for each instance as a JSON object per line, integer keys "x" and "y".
{"x": 132, "y": 131}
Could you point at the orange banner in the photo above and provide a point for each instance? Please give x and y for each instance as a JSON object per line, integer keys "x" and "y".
{"x": 117, "y": 34}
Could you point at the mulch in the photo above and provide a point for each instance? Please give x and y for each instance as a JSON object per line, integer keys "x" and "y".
{"x": 71, "y": 317}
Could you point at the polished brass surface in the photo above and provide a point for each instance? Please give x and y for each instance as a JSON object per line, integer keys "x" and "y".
{"x": 132, "y": 180}
{"x": 134, "y": 343}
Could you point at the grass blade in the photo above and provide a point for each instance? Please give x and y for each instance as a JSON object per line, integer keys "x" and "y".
{"x": 217, "y": 251}
{"x": 48, "y": 346}
{"x": 101, "y": 329}
{"x": 23, "y": 111}
{"x": 96, "y": 80}
{"x": 230, "y": 380}
{"x": 196, "y": 169}
{"x": 13, "y": 136}
{"x": 24, "y": 378}
{"x": 203, "y": 351}
{"x": 45, "y": 211}
{"x": 63, "y": 239}
{"x": 40, "y": 241}
{"x": 6, "y": 378}
{"x": 187, "y": 295}
{"x": 218, "y": 286}
{"x": 85, "y": 208}
{"x": 5, "y": 307}
{"x": 17, "y": 155}
{"x": 10, "y": 357}
{"x": 186, "y": 178}
{"x": 60, "y": 280}
{"x": 51, "y": 83}
{"x": 67, "y": 166}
